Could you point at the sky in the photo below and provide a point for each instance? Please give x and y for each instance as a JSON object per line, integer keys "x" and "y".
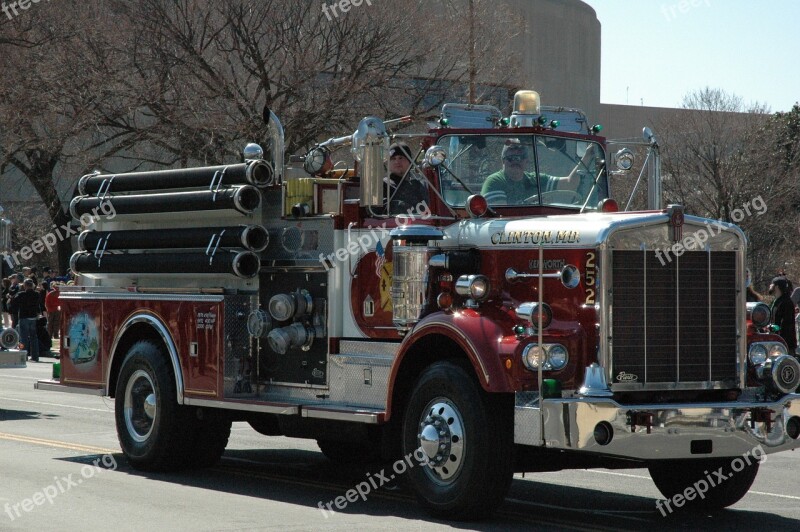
{"x": 654, "y": 52}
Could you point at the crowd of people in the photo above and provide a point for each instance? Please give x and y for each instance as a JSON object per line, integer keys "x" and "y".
{"x": 31, "y": 306}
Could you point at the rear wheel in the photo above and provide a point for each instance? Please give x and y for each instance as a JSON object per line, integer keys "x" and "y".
{"x": 153, "y": 429}
{"x": 464, "y": 437}
{"x": 707, "y": 484}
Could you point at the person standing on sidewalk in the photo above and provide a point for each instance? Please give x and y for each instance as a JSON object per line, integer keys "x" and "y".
{"x": 26, "y": 306}
{"x": 53, "y": 307}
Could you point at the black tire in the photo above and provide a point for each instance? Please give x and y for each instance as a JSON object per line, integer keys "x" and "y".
{"x": 673, "y": 477}
{"x": 211, "y": 432}
{"x": 153, "y": 430}
{"x": 470, "y": 476}
{"x": 349, "y": 452}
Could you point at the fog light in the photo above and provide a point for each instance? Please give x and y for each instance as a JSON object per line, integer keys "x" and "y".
{"x": 603, "y": 433}
{"x": 793, "y": 427}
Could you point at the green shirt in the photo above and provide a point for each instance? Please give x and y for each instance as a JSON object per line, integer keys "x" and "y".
{"x": 499, "y": 189}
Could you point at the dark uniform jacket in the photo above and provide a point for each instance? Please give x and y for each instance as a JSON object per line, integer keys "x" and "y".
{"x": 783, "y": 317}
{"x": 26, "y": 304}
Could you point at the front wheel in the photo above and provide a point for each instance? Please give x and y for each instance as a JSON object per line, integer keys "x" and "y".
{"x": 464, "y": 439}
{"x": 706, "y": 484}
{"x": 153, "y": 429}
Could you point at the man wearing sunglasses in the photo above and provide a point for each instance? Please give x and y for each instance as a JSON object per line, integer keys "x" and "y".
{"x": 513, "y": 185}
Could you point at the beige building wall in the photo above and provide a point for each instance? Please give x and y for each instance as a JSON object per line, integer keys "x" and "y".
{"x": 559, "y": 48}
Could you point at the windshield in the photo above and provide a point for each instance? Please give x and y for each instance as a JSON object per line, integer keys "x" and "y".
{"x": 523, "y": 170}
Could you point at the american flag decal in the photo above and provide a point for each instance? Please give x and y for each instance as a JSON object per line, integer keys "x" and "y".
{"x": 381, "y": 258}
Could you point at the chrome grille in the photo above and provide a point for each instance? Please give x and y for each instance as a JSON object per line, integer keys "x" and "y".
{"x": 673, "y": 322}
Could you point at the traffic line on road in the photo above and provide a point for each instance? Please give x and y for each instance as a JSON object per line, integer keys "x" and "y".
{"x": 54, "y": 443}
{"x": 779, "y": 495}
{"x": 792, "y": 497}
{"x": 60, "y": 405}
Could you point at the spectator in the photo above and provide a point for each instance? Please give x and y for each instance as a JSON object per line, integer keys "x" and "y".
{"x": 751, "y": 294}
{"x": 13, "y": 290}
{"x": 783, "y": 312}
{"x": 795, "y": 297}
{"x": 4, "y": 303}
{"x": 26, "y": 308}
{"x": 47, "y": 278}
{"x": 53, "y": 307}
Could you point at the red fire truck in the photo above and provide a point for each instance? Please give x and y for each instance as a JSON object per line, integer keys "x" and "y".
{"x": 488, "y": 332}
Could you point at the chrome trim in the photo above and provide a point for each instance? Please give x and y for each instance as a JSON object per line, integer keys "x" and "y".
{"x": 569, "y": 425}
{"x": 264, "y": 408}
{"x": 172, "y": 351}
{"x": 138, "y": 296}
{"x": 390, "y": 349}
{"x": 56, "y": 386}
{"x": 594, "y": 382}
{"x": 358, "y": 416}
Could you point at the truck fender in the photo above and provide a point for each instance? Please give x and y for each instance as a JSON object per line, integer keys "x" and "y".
{"x": 473, "y": 334}
{"x": 154, "y": 325}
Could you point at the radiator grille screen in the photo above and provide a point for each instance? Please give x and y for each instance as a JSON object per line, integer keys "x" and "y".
{"x": 676, "y": 321}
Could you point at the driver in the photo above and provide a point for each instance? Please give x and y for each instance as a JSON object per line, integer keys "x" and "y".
{"x": 513, "y": 184}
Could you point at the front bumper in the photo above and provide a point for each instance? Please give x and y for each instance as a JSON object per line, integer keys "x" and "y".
{"x": 656, "y": 431}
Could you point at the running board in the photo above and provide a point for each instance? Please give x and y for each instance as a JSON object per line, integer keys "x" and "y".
{"x": 344, "y": 413}
{"x": 50, "y": 385}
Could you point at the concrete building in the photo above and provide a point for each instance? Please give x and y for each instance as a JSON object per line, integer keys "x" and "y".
{"x": 561, "y": 44}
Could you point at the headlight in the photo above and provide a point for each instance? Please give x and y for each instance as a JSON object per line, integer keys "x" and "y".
{"x": 473, "y": 286}
{"x": 532, "y": 356}
{"x": 758, "y": 354}
{"x": 557, "y": 356}
{"x": 553, "y": 356}
{"x": 777, "y": 349}
{"x": 759, "y": 314}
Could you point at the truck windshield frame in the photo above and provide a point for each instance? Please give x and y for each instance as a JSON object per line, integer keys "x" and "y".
{"x": 524, "y": 170}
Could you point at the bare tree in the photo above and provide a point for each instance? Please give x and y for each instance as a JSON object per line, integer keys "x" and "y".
{"x": 719, "y": 158}
{"x": 57, "y": 84}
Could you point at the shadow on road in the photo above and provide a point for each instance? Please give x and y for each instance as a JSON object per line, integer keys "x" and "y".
{"x": 307, "y": 478}
{"x": 17, "y": 415}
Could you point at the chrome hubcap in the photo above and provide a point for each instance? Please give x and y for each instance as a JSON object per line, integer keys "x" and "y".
{"x": 441, "y": 438}
{"x": 140, "y": 405}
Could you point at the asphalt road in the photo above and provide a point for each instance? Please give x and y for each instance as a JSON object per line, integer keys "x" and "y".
{"x": 61, "y": 469}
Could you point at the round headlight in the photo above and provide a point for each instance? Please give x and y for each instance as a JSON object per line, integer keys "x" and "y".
{"x": 759, "y": 314}
{"x": 758, "y": 354}
{"x": 557, "y": 356}
{"x": 479, "y": 287}
{"x": 777, "y": 349}
{"x": 532, "y": 355}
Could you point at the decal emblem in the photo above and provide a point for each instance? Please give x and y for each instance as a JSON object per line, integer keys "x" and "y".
{"x": 627, "y": 377}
